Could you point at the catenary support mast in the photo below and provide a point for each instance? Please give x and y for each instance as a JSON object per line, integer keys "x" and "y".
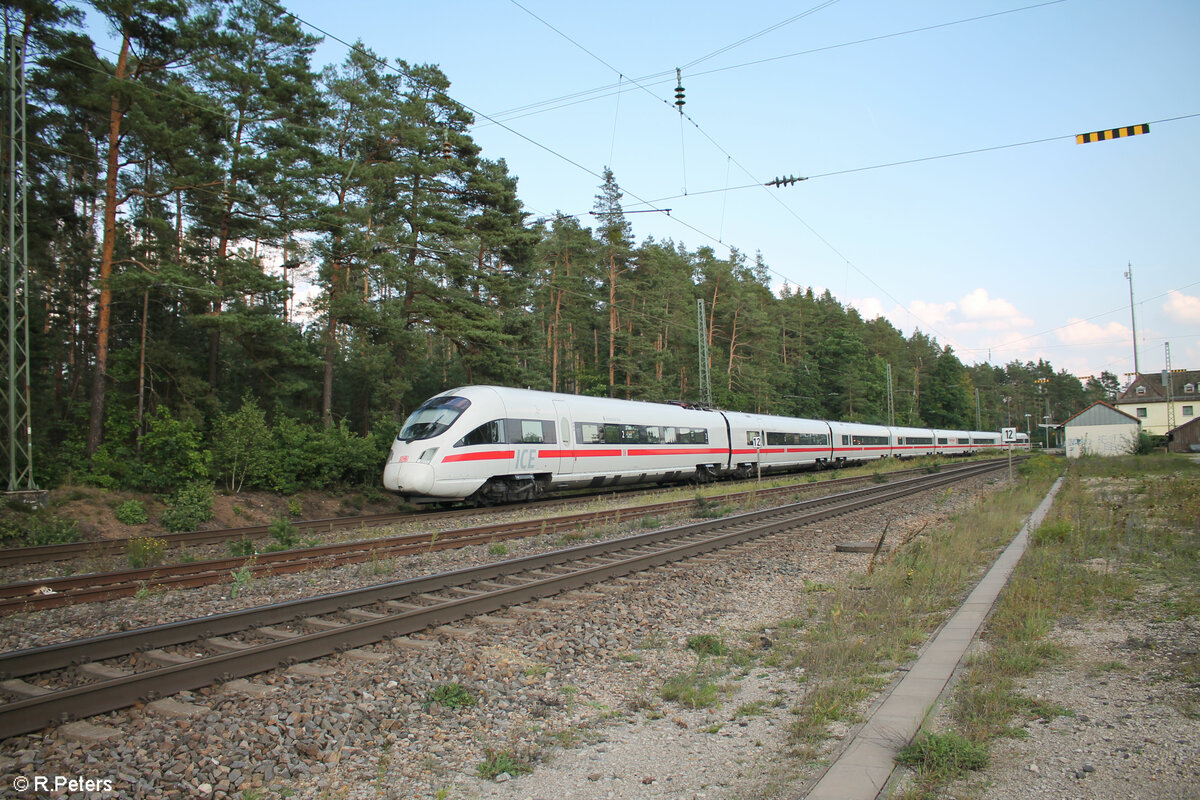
{"x": 17, "y": 438}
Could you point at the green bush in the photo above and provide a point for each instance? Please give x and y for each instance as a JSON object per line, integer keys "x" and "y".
{"x": 35, "y": 530}
{"x": 132, "y": 512}
{"x": 291, "y": 468}
{"x": 173, "y": 452}
{"x": 242, "y": 447}
{"x": 302, "y": 456}
{"x": 342, "y": 457}
{"x": 188, "y": 508}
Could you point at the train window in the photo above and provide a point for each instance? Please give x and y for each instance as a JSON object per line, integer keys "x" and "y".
{"x": 943, "y": 440}
{"x": 589, "y": 433}
{"x": 919, "y": 440}
{"x": 529, "y": 431}
{"x": 775, "y": 438}
{"x": 433, "y": 417}
{"x": 845, "y": 439}
{"x": 487, "y": 433}
{"x": 865, "y": 440}
{"x": 899, "y": 440}
{"x": 599, "y": 433}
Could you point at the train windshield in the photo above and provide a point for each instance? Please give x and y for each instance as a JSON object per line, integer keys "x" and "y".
{"x": 435, "y": 416}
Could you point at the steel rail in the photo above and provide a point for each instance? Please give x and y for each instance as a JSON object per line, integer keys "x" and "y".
{"x": 34, "y": 554}
{"x": 48, "y": 657}
{"x": 85, "y": 700}
{"x": 47, "y": 593}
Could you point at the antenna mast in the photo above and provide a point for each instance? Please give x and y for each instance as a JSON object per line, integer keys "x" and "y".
{"x": 1133, "y": 321}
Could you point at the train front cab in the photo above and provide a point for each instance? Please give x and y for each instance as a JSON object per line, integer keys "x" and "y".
{"x": 465, "y": 444}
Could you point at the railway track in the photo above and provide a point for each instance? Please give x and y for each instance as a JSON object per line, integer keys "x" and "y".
{"x": 91, "y": 676}
{"x": 14, "y": 556}
{"x": 47, "y": 593}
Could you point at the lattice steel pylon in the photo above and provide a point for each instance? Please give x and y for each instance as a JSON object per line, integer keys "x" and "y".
{"x": 705, "y": 379}
{"x": 17, "y": 440}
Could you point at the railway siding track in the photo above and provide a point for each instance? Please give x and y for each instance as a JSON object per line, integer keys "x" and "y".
{"x": 46, "y": 593}
{"x": 366, "y": 616}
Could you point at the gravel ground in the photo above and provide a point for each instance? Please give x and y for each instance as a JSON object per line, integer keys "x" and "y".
{"x": 573, "y": 683}
{"x": 1133, "y": 731}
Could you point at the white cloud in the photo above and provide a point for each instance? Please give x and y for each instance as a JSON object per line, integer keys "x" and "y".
{"x": 1081, "y": 332}
{"x": 1181, "y": 307}
{"x": 992, "y": 312}
{"x": 868, "y": 307}
{"x": 979, "y": 305}
{"x": 931, "y": 314}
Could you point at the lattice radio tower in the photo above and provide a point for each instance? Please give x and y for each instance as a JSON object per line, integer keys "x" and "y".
{"x": 17, "y": 440}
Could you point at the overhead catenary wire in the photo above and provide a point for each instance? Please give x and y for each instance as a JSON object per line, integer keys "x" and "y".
{"x": 679, "y": 103}
{"x": 758, "y": 34}
{"x": 658, "y": 78}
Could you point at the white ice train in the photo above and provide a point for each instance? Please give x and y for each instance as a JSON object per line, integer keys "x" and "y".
{"x": 491, "y": 444}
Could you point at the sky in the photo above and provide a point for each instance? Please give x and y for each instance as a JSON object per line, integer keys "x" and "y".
{"x": 945, "y": 189}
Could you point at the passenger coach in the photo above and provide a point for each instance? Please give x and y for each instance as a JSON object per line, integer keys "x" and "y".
{"x": 490, "y": 444}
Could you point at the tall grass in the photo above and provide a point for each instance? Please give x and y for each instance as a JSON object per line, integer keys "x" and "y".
{"x": 1117, "y": 524}
{"x": 858, "y": 635}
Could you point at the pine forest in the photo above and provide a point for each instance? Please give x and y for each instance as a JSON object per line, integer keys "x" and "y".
{"x": 245, "y": 271}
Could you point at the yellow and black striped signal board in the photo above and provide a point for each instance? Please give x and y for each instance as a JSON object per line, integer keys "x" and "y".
{"x": 1113, "y": 133}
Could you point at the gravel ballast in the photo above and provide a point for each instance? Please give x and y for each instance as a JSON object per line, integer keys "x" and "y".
{"x": 570, "y": 684}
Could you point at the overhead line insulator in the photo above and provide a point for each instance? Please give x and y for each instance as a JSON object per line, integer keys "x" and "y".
{"x": 788, "y": 181}
{"x": 679, "y": 101}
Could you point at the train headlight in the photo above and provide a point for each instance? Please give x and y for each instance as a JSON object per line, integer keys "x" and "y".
{"x": 427, "y": 456}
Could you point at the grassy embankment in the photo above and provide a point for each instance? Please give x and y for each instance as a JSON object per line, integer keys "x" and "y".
{"x": 1121, "y": 538}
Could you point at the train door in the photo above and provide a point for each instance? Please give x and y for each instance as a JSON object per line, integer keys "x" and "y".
{"x": 565, "y": 464}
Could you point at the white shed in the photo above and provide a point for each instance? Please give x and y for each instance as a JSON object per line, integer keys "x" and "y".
{"x": 1101, "y": 430}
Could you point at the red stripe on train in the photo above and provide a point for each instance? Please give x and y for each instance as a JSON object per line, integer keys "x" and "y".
{"x": 493, "y": 456}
